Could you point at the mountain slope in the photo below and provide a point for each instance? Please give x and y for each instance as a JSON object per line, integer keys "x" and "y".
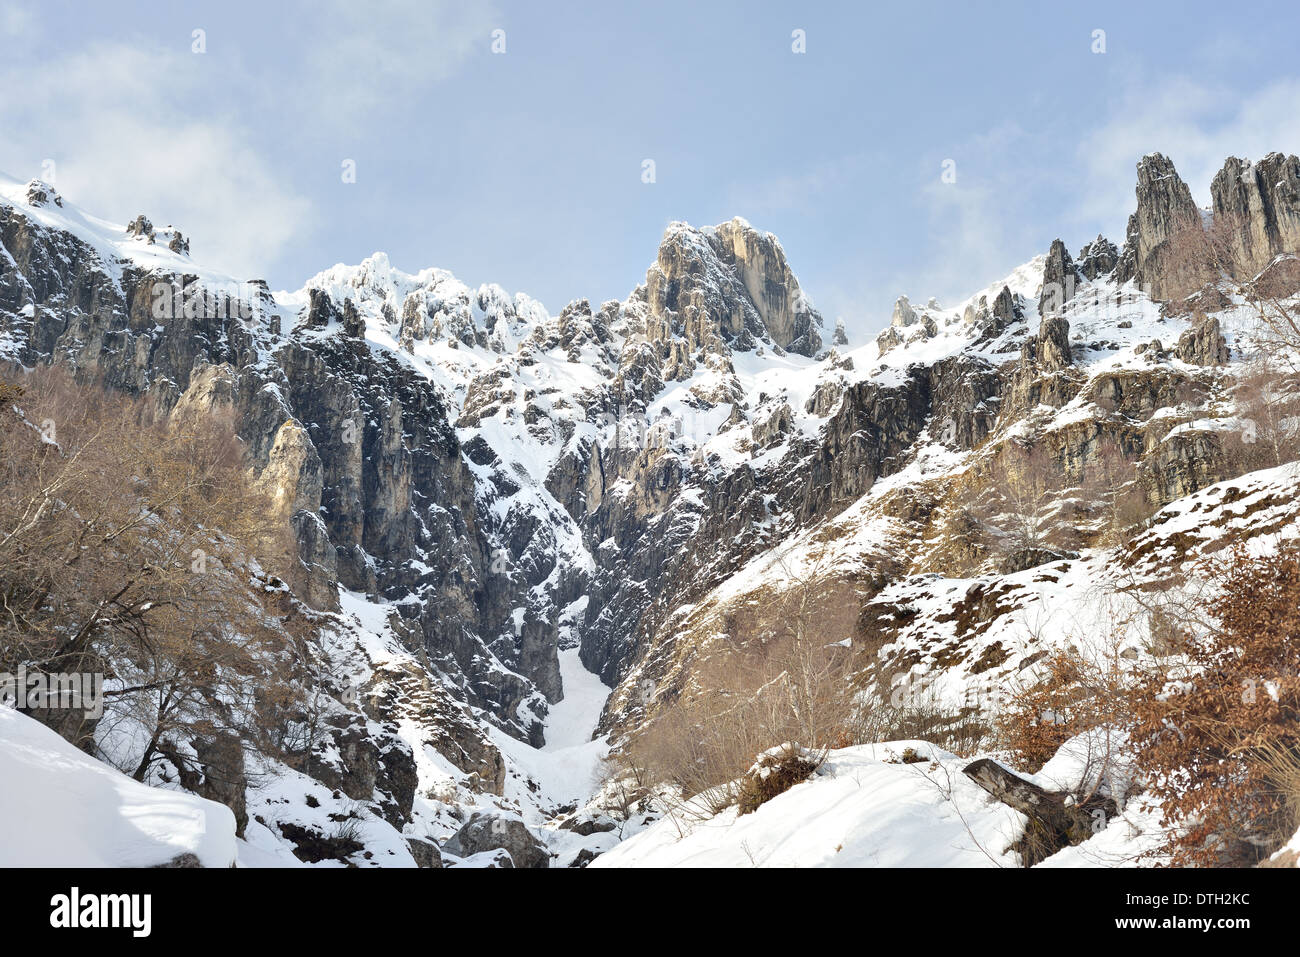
{"x": 499, "y": 492}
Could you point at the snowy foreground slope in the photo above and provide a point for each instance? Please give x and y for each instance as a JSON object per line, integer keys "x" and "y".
{"x": 897, "y": 804}
{"x": 62, "y": 808}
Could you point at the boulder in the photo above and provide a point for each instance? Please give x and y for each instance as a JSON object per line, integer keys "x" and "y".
{"x": 1203, "y": 344}
{"x": 426, "y": 853}
{"x": 487, "y": 832}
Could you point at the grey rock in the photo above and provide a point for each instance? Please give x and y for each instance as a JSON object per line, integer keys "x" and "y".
{"x": 486, "y": 832}
{"x": 1259, "y": 206}
{"x": 1098, "y": 258}
{"x": 1164, "y": 208}
{"x": 426, "y": 853}
{"x": 1060, "y": 280}
{"x": 1204, "y": 344}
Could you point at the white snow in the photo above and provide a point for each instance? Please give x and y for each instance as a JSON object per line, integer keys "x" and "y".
{"x": 864, "y": 808}
{"x": 567, "y": 768}
{"x": 62, "y": 808}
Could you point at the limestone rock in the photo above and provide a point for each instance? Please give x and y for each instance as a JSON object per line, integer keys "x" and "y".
{"x": 1259, "y": 206}
{"x": 1203, "y": 344}
{"x": 1060, "y": 279}
{"x": 1164, "y": 208}
{"x": 728, "y": 284}
{"x": 1098, "y": 258}
{"x": 487, "y": 832}
{"x": 40, "y": 193}
{"x": 426, "y": 853}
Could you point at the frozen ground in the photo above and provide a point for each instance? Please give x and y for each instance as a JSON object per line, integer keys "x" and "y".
{"x": 63, "y": 808}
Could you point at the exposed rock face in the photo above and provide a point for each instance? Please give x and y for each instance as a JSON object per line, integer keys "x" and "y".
{"x": 728, "y": 284}
{"x": 1053, "y": 345}
{"x": 1204, "y": 344}
{"x": 141, "y": 228}
{"x": 1164, "y": 208}
{"x": 411, "y": 695}
{"x": 42, "y": 194}
{"x": 225, "y": 781}
{"x": 904, "y": 326}
{"x": 1098, "y": 258}
{"x": 904, "y": 315}
{"x": 1259, "y": 206}
{"x": 1060, "y": 279}
{"x": 1006, "y": 311}
{"x": 486, "y": 832}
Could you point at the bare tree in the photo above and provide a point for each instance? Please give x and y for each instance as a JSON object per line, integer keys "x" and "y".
{"x": 1268, "y": 405}
{"x": 1017, "y": 504}
{"x": 137, "y": 547}
{"x": 778, "y": 678}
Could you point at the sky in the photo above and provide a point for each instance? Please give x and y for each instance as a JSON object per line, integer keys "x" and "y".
{"x": 508, "y": 141}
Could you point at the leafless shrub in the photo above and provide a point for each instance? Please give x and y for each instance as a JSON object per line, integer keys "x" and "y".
{"x": 136, "y": 546}
{"x": 787, "y": 683}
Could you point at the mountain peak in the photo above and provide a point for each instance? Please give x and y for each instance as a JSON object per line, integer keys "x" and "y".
{"x": 730, "y": 284}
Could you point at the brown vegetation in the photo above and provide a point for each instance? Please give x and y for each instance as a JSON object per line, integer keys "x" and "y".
{"x": 1219, "y": 738}
{"x": 137, "y": 547}
{"x": 787, "y": 683}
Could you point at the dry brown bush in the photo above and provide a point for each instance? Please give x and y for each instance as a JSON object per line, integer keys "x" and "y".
{"x": 138, "y": 547}
{"x": 788, "y": 683}
{"x": 1076, "y": 693}
{"x": 772, "y": 775}
{"x": 1219, "y": 739}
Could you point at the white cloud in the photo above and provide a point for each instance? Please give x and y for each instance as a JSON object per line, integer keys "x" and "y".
{"x": 977, "y": 222}
{"x": 120, "y": 126}
{"x": 801, "y": 191}
{"x": 16, "y": 20}
{"x": 1015, "y": 190}
{"x": 1195, "y": 124}
{"x": 357, "y": 55}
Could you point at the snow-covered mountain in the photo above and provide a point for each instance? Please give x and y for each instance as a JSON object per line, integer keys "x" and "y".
{"x": 523, "y": 533}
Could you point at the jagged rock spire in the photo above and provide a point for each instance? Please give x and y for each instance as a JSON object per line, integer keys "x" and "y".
{"x": 1164, "y": 208}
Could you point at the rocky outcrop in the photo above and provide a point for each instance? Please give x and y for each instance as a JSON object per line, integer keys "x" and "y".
{"x": 1060, "y": 280}
{"x": 906, "y": 326}
{"x": 1005, "y": 312}
{"x": 1098, "y": 258}
{"x": 1164, "y": 209}
{"x": 729, "y": 284}
{"x": 1257, "y": 208}
{"x": 1204, "y": 344}
{"x": 1052, "y": 347}
{"x": 40, "y": 193}
{"x": 488, "y": 832}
